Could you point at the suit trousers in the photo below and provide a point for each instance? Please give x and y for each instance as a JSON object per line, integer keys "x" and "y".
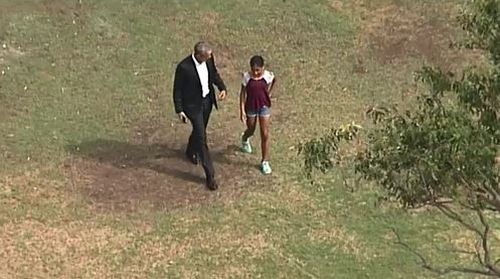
{"x": 197, "y": 144}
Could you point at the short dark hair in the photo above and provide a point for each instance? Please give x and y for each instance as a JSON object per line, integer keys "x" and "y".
{"x": 256, "y": 61}
{"x": 201, "y": 47}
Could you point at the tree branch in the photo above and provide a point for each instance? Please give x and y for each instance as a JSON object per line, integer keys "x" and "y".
{"x": 486, "y": 249}
{"x": 454, "y": 216}
{"x": 494, "y": 200}
{"x": 443, "y": 271}
{"x": 478, "y": 254}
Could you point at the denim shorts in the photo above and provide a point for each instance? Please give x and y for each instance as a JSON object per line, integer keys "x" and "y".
{"x": 264, "y": 111}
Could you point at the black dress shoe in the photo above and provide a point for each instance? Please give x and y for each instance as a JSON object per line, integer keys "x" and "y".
{"x": 192, "y": 158}
{"x": 212, "y": 185}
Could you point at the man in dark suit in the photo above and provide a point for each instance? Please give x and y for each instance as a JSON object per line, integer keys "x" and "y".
{"x": 194, "y": 97}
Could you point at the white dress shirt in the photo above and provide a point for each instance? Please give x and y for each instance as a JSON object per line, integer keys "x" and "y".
{"x": 202, "y": 70}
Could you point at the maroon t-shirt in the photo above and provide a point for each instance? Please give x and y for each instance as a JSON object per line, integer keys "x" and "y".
{"x": 257, "y": 91}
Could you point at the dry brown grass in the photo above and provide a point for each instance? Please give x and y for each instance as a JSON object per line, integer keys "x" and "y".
{"x": 251, "y": 223}
{"x": 394, "y": 33}
{"x": 45, "y": 6}
{"x": 464, "y": 243}
{"x": 72, "y": 250}
{"x": 347, "y": 242}
{"x": 167, "y": 251}
{"x": 35, "y": 187}
{"x": 89, "y": 250}
{"x": 9, "y": 53}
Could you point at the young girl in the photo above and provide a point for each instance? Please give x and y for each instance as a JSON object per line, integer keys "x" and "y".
{"x": 255, "y": 103}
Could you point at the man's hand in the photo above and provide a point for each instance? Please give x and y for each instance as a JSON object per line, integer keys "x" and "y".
{"x": 222, "y": 95}
{"x": 182, "y": 117}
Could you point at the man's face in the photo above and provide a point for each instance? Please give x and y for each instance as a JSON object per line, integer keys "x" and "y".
{"x": 204, "y": 56}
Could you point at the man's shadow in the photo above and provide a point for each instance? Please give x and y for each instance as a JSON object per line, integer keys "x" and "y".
{"x": 161, "y": 158}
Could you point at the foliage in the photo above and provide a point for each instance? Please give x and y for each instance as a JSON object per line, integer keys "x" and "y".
{"x": 321, "y": 153}
{"x": 480, "y": 20}
{"x": 444, "y": 148}
{"x": 436, "y": 151}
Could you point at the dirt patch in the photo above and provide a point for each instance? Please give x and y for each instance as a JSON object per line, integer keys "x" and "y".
{"x": 223, "y": 53}
{"x": 395, "y": 33}
{"x": 210, "y": 18}
{"x": 392, "y": 32}
{"x": 8, "y": 53}
{"x": 225, "y": 59}
{"x": 152, "y": 172}
{"x": 342, "y": 6}
{"x": 156, "y": 177}
{"x": 337, "y": 5}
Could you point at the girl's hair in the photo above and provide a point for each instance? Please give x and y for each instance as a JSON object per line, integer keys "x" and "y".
{"x": 256, "y": 61}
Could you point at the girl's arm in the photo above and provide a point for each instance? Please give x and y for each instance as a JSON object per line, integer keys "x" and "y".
{"x": 271, "y": 86}
{"x": 243, "y": 99}
{"x": 270, "y": 80}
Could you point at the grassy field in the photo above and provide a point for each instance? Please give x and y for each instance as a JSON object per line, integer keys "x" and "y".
{"x": 92, "y": 179}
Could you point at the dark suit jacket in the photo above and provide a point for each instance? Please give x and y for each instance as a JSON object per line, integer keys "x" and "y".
{"x": 187, "y": 85}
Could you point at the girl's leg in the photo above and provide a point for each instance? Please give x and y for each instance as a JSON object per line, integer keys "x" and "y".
{"x": 246, "y": 147}
{"x": 264, "y": 123}
{"x": 251, "y": 125}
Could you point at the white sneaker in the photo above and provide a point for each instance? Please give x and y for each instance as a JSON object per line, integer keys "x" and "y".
{"x": 246, "y": 147}
{"x": 265, "y": 167}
